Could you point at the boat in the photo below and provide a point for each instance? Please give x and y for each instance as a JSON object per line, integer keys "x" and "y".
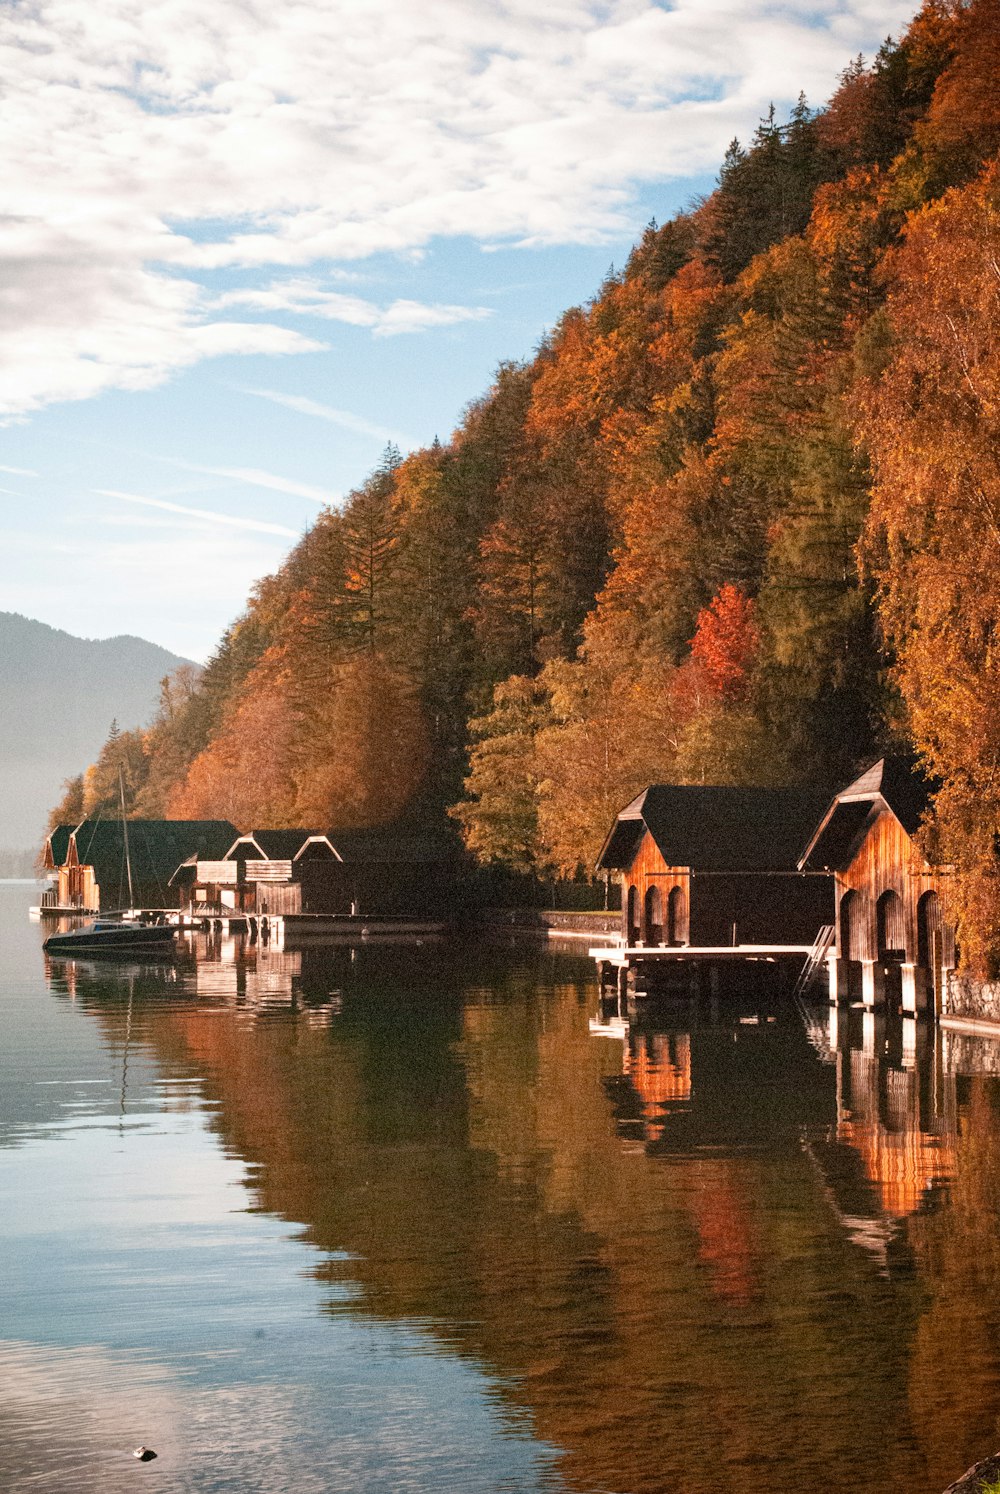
{"x": 111, "y": 935}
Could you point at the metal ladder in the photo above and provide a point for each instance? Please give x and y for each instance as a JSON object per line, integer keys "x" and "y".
{"x": 814, "y": 959}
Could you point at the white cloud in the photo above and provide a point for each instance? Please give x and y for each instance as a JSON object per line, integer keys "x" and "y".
{"x": 308, "y": 298}
{"x": 344, "y": 418}
{"x": 236, "y": 521}
{"x": 19, "y": 471}
{"x": 147, "y": 143}
{"x": 257, "y": 478}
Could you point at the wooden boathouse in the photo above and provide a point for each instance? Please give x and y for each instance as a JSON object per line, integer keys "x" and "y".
{"x": 712, "y": 872}
{"x": 248, "y": 877}
{"x": 892, "y": 941}
{"x": 308, "y": 874}
{"x": 88, "y": 862}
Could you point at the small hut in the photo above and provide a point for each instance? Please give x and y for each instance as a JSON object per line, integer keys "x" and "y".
{"x": 91, "y": 868}
{"x": 892, "y": 940}
{"x": 712, "y": 867}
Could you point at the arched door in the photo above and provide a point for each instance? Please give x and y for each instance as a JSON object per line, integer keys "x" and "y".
{"x": 890, "y": 929}
{"x": 632, "y": 916}
{"x": 930, "y": 945}
{"x": 929, "y": 924}
{"x": 675, "y": 916}
{"x": 653, "y": 916}
{"x": 849, "y": 926}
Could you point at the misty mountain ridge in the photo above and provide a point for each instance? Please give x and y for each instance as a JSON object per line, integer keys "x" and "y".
{"x": 60, "y": 695}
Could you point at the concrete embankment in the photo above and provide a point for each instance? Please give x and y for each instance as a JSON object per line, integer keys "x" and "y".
{"x": 554, "y": 922}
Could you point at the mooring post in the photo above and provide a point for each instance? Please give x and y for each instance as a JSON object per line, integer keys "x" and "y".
{"x": 914, "y": 982}
{"x": 872, "y": 983}
{"x": 840, "y": 989}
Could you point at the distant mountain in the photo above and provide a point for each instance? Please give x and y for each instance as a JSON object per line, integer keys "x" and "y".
{"x": 58, "y": 696}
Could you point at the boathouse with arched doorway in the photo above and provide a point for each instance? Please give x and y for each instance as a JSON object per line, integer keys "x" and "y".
{"x": 892, "y": 942}
{"x": 705, "y": 866}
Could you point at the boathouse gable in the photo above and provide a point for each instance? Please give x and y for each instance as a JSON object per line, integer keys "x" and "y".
{"x": 891, "y": 938}
{"x": 711, "y": 866}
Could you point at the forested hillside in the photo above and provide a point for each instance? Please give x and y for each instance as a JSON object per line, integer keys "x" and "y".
{"x": 736, "y": 521}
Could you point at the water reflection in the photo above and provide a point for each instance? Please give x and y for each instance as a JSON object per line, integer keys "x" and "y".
{"x": 717, "y": 1242}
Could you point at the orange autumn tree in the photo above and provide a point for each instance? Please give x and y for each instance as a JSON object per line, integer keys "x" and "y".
{"x": 726, "y": 740}
{"x": 242, "y": 775}
{"x": 613, "y": 729}
{"x": 931, "y": 420}
{"x": 361, "y": 748}
{"x": 726, "y": 643}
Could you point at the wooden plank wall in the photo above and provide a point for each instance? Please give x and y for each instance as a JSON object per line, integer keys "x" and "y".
{"x": 888, "y": 861}
{"x": 649, "y": 869}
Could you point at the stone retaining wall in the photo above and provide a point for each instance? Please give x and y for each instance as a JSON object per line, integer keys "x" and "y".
{"x": 554, "y": 920}
{"x": 965, "y": 996}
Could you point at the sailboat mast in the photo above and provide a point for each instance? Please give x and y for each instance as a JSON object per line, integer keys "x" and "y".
{"x": 128, "y": 859}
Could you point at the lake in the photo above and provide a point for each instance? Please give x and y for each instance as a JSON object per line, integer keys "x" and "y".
{"x": 423, "y": 1218}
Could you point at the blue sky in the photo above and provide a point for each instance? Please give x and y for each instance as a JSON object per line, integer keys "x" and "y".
{"x": 244, "y": 244}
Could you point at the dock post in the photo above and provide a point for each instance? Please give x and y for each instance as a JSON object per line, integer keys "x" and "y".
{"x": 872, "y": 983}
{"x": 839, "y": 975}
{"x": 914, "y": 987}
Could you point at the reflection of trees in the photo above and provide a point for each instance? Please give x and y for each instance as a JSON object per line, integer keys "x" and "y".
{"x": 955, "y": 1366}
{"x": 646, "y": 1259}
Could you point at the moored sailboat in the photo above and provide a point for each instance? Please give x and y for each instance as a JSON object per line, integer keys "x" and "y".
{"x": 111, "y": 935}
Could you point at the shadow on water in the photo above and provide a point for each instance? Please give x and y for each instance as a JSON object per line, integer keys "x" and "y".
{"x": 700, "y": 1245}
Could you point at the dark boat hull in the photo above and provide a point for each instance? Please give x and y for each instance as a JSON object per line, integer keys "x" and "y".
{"x": 111, "y": 940}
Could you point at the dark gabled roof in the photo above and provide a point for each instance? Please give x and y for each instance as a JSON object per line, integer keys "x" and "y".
{"x": 156, "y": 847}
{"x": 389, "y": 846}
{"x": 622, "y": 844}
{"x": 269, "y": 845}
{"x": 902, "y": 787}
{"x": 383, "y": 846}
{"x": 891, "y": 783}
{"x": 710, "y": 827}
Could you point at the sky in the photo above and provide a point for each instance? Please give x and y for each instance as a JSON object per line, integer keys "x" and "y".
{"x": 246, "y": 243}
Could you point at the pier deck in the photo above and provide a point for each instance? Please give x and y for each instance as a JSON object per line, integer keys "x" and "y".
{"x": 628, "y": 954}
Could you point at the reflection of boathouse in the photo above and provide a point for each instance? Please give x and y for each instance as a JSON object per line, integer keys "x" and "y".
{"x": 707, "y": 867}
{"x": 891, "y": 941}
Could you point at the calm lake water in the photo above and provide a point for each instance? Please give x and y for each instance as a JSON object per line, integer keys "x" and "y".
{"x": 399, "y": 1219}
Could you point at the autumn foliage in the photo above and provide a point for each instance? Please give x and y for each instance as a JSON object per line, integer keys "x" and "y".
{"x": 726, "y": 642}
{"x": 737, "y": 520}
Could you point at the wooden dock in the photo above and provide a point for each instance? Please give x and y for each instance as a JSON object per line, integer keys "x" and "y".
{"x": 638, "y": 970}
{"x": 280, "y": 928}
{"x": 631, "y": 954}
